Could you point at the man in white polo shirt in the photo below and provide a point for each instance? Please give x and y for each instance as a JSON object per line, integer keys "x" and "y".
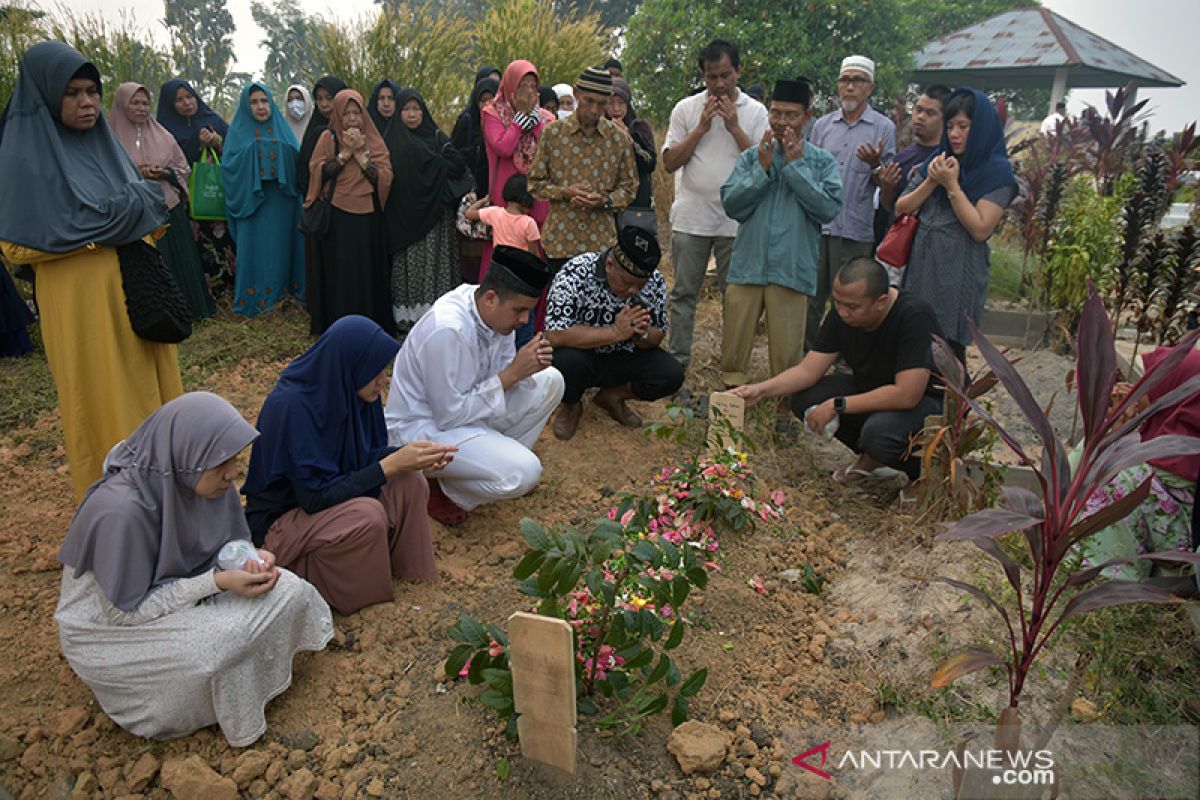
{"x": 708, "y": 131}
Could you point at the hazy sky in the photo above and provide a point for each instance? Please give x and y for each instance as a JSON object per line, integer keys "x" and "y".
{"x": 1160, "y": 31}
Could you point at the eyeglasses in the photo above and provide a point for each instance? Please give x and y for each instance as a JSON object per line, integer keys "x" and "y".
{"x": 786, "y": 116}
{"x": 854, "y": 80}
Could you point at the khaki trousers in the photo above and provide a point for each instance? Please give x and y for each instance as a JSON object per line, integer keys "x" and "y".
{"x": 786, "y": 314}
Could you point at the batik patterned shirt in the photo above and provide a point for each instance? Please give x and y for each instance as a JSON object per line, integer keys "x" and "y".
{"x": 603, "y": 161}
{"x": 580, "y": 295}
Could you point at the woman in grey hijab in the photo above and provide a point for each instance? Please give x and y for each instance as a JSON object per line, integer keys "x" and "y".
{"x": 72, "y": 196}
{"x": 167, "y": 640}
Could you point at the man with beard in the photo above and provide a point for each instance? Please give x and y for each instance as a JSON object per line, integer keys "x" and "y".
{"x": 857, "y": 136}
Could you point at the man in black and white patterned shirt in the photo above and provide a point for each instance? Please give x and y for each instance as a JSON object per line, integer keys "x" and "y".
{"x": 606, "y": 315}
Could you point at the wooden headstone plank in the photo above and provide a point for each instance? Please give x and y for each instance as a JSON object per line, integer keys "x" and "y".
{"x": 732, "y": 409}
{"x": 542, "y": 658}
{"x": 556, "y": 745}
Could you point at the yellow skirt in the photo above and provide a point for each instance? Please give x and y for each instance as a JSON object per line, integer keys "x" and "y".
{"x": 108, "y": 378}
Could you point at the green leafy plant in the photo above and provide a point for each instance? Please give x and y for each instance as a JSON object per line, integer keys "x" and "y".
{"x": 561, "y": 45}
{"x": 1082, "y": 245}
{"x": 623, "y": 585}
{"x": 1066, "y": 513}
{"x": 812, "y": 582}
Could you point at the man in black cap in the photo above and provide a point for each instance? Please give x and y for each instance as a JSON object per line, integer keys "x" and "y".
{"x": 460, "y": 380}
{"x": 606, "y": 316}
{"x": 584, "y": 166}
{"x": 614, "y": 68}
{"x": 781, "y": 192}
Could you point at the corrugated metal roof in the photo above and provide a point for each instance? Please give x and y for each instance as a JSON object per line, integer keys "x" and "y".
{"x": 1027, "y": 46}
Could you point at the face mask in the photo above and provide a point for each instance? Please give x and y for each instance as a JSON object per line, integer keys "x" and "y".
{"x": 563, "y": 113}
{"x": 296, "y": 108}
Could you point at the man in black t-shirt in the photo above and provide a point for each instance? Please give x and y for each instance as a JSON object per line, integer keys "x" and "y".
{"x": 885, "y": 338}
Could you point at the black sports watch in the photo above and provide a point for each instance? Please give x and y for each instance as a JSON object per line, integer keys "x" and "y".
{"x": 839, "y": 404}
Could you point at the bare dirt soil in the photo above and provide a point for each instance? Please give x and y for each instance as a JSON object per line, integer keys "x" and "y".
{"x": 366, "y": 719}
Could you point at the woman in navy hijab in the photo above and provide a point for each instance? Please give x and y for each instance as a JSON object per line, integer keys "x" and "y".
{"x": 324, "y": 491}
{"x": 959, "y": 195}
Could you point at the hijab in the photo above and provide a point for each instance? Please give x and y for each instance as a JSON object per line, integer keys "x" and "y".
{"x": 1182, "y": 418}
{"x": 67, "y": 188}
{"x": 485, "y": 72}
{"x": 381, "y": 122}
{"x": 422, "y": 163}
{"x": 564, "y": 90}
{"x": 501, "y": 108}
{"x": 984, "y": 166}
{"x": 638, "y": 128}
{"x": 186, "y": 130}
{"x": 142, "y": 525}
{"x": 352, "y": 191}
{"x": 151, "y": 143}
{"x": 315, "y": 427}
{"x": 316, "y": 124}
{"x": 472, "y": 149}
{"x": 256, "y": 152}
{"x": 298, "y": 125}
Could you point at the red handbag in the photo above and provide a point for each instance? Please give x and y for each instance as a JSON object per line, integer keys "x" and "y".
{"x": 897, "y": 243}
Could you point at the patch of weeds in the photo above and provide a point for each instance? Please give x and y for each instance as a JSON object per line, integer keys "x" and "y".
{"x": 812, "y": 582}
{"x": 503, "y": 768}
{"x": 220, "y": 342}
{"x": 26, "y": 386}
{"x": 1143, "y": 670}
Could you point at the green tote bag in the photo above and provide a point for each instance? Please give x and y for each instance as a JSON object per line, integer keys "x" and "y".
{"x": 206, "y": 192}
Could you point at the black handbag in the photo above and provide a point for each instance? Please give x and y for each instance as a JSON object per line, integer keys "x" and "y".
{"x": 156, "y": 308}
{"x": 316, "y": 219}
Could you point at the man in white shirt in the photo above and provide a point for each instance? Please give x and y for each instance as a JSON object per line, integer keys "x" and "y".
{"x": 708, "y": 131}
{"x": 1050, "y": 125}
{"x": 460, "y": 380}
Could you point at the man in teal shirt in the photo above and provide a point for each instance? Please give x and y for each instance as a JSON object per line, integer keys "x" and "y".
{"x": 781, "y": 191}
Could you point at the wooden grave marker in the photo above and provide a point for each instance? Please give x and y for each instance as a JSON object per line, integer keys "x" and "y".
{"x": 542, "y": 658}
{"x": 731, "y": 408}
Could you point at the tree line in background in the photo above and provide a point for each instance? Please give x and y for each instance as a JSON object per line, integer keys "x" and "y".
{"x": 436, "y": 45}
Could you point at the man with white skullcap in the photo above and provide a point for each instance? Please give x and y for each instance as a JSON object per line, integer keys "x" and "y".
{"x": 862, "y": 141}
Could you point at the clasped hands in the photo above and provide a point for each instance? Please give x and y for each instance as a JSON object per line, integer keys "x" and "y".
{"x": 254, "y": 579}
{"x": 581, "y": 194}
{"x": 793, "y": 147}
{"x": 631, "y": 321}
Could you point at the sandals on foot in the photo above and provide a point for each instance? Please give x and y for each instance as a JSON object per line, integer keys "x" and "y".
{"x": 851, "y": 475}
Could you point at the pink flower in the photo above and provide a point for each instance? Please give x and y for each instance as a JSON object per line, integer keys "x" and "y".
{"x": 777, "y": 497}
{"x": 495, "y": 649}
{"x": 626, "y": 518}
{"x": 462, "y": 673}
{"x": 612, "y": 513}
{"x": 757, "y": 585}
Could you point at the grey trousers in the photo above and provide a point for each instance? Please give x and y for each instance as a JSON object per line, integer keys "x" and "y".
{"x": 835, "y": 251}
{"x": 689, "y": 256}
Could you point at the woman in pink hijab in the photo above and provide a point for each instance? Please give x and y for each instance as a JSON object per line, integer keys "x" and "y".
{"x": 157, "y": 156}
{"x": 512, "y": 123}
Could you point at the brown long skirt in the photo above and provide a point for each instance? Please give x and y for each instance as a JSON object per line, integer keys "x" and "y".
{"x": 351, "y": 551}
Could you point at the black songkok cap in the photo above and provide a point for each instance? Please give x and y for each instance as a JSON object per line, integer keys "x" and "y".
{"x": 594, "y": 79}
{"x": 546, "y": 95}
{"x": 794, "y": 91}
{"x": 637, "y": 251}
{"x": 519, "y": 270}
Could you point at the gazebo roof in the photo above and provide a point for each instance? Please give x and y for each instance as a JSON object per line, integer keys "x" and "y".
{"x": 1024, "y": 48}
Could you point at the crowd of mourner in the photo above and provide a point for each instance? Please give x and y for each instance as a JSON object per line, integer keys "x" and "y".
{"x": 463, "y": 289}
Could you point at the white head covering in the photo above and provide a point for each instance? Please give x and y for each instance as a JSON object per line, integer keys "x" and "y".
{"x": 860, "y": 63}
{"x": 562, "y": 90}
{"x": 298, "y": 125}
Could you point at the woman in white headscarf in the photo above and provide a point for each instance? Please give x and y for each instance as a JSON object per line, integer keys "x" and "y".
{"x": 298, "y": 109}
{"x": 566, "y": 99}
{"x": 169, "y": 641}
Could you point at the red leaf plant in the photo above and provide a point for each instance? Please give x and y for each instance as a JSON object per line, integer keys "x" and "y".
{"x": 1055, "y": 522}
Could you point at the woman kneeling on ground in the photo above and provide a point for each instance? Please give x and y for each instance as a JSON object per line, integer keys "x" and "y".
{"x": 169, "y": 644}
{"x": 324, "y": 490}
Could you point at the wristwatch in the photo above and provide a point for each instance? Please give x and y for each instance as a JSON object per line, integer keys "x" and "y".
{"x": 878, "y": 168}
{"x": 608, "y": 201}
{"x": 839, "y": 405}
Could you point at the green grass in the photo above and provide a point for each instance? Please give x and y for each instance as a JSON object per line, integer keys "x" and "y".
{"x": 1005, "y": 281}
{"x": 27, "y": 389}
{"x": 1143, "y": 670}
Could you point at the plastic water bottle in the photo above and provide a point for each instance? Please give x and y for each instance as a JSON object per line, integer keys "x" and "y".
{"x": 830, "y": 427}
{"x": 237, "y": 554}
